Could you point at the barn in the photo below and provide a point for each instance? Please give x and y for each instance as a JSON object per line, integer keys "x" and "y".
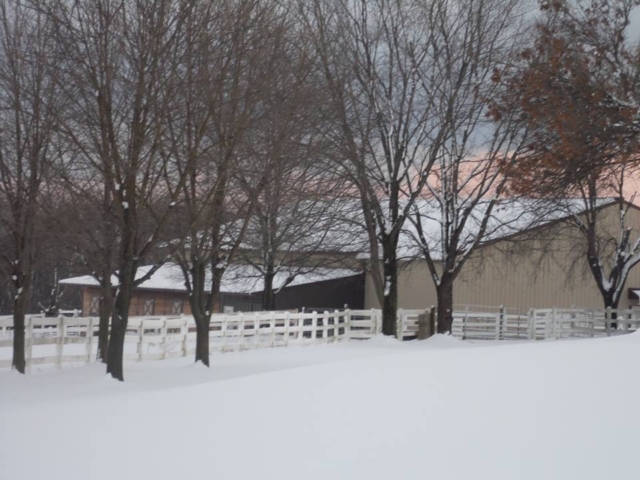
{"x": 527, "y": 264}
{"x": 164, "y": 292}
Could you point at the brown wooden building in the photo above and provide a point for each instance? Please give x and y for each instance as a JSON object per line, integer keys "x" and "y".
{"x": 164, "y": 293}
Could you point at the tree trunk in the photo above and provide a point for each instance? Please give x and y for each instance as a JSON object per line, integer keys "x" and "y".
{"x": 268, "y": 295}
{"x": 445, "y": 305}
{"x": 203, "y": 303}
{"x": 610, "y": 302}
{"x": 119, "y": 322}
{"x": 18, "y": 361}
{"x": 390, "y": 302}
{"x": 203, "y": 320}
{"x": 106, "y": 310}
{"x": 202, "y": 338}
{"x": 103, "y": 336}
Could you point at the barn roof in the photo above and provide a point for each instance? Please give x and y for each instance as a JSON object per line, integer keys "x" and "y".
{"x": 237, "y": 279}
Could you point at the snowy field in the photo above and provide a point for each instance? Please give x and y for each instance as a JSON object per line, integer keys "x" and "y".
{"x": 439, "y": 409}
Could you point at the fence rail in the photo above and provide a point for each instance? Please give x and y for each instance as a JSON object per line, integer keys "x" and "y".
{"x": 73, "y": 340}
{"x": 582, "y": 323}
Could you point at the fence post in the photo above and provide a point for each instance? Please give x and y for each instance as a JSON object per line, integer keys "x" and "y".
{"x": 272, "y": 325}
{"x": 423, "y": 326}
{"x": 325, "y": 326}
{"x": 337, "y": 319}
{"x": 399, "y": 324}
{"x": 433, "y": 319}
{"x": 184, "y": 330}
{"x": 347, "y": 324}
{"x": 300, "y": 324}
{"x": 29, "y": 340}
{"x": 141, "y": 341}
{"x": 256, "y": 330}
{"x": 89, "y": 339}
{"x": 531, "y": 326}
{"x": 626, "y": 324}
{"x": 163, "y": 333}
{"x": 241, "y": 329}
{"x": 314, "y": 325}
{"x": 60, "y": 344}
{"x": 376, "y": 323}
{"x": 465, "y": 322}
{"x": 223, "y": 332}
{"x": 501, "y": 322}
{"x": 287, "y": 322}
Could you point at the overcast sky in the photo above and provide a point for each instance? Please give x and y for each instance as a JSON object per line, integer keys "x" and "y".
{"x": 634, "y": 28}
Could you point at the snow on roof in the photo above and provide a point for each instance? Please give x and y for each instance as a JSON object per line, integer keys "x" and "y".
{"x": 338, "y": 227}
{"x": 321, "y": 226}
{"x": 509, "y": 216}
{"x": 247, "y": 279}
{"x": 167, "y": 277}
{"x": 237, "y": 279}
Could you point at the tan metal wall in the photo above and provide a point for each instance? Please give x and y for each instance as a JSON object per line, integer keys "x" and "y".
{"x": 538, "y": 273}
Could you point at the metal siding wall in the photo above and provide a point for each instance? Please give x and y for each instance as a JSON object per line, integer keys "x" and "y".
{"x": 415, "y": 288}
{"x": 512, "y": 279}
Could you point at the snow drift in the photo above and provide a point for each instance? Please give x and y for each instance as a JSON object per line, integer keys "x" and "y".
{"x": 553, "y": 410}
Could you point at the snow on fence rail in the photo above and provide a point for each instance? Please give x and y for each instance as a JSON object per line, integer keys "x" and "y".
{"x": 64, "y": 340}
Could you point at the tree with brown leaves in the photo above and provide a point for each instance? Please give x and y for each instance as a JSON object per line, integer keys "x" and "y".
{"x": 578, "y": 92}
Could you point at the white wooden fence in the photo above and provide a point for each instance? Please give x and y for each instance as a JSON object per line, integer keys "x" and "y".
{"x": 472, "y": 323}
{"x": 65, "y": 340}
{"x": 500, "y": 323}
{"x": 555, "y": 323}
{"x": 73, "y": 340}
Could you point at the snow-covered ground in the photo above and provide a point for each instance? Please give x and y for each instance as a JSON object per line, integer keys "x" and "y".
{"x": 440, "y": 409}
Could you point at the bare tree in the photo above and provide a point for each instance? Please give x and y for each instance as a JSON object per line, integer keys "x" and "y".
{"x": 29, "y": 102}
{"x": 52, "y": 261}
{"x": 476, "y": 40}
{"x": 225, "y": 65}
{"x": 291, "y": 235}
{"x": 295, "y": 227}
{"x": 378, "y": 61}
{"x": 610, "y": 245}
{"x": 89, "y": 233}
{"x": 119, "y": 67}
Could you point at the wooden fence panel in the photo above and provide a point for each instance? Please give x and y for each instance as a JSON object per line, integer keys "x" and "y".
{"x": 65, "y": 340}
{"x": 71, "y": 340}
